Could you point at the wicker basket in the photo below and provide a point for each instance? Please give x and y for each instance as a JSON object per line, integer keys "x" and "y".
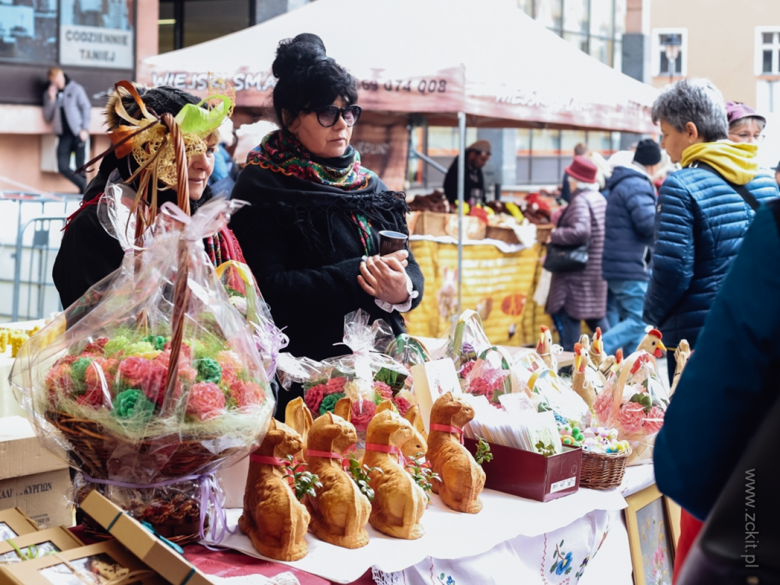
{"x": 177, "y": 517}
{"x": 601, "y": 471}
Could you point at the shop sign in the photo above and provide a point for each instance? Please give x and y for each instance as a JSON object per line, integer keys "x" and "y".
{"x": 88, "y": 46}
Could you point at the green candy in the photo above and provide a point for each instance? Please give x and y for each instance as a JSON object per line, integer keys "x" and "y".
{"x": 140, "y": 347}
{"x": 79, "y": 369}
{"x": 329, "y": 402}
{"x": 158, "y": 341}
{"x": 209, "y": 370}
{"x": 116, "y": 345}
{"x": 133, "y": 404}
{"x": 199, "y": 350}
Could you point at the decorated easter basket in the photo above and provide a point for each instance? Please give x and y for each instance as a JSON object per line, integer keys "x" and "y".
{"x": 151, "y": 382}
{"x": 602, "y": 471}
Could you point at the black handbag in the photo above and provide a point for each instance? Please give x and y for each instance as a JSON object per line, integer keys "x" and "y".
{"x": 566, "y": 258}
{"x": 562, "y": 259}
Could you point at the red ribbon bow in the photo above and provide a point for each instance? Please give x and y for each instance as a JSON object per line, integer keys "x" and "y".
{"x": 448, "y": 429}
{"x": 266, "y": 460}
{"x": 391, "y": 449}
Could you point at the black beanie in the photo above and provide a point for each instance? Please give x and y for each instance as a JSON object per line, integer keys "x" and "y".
{"x": 648, "y": 153}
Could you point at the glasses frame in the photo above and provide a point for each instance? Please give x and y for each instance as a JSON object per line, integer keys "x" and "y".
{"x": 355, "y": 109}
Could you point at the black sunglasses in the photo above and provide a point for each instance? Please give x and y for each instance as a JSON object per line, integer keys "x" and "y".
{"x": 327, "y": 116}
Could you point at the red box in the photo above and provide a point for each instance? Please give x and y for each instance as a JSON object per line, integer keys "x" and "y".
{"x": 530, "y": 475}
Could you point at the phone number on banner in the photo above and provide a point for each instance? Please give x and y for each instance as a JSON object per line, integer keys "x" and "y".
{"x": 408, "y": 85}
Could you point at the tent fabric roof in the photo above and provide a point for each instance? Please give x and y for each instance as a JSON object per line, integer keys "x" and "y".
{"x": 432, "y": 57}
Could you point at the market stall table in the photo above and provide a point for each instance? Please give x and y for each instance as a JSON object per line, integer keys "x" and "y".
{"x": 8, "y": 404}
{"x": 486, "y": 546}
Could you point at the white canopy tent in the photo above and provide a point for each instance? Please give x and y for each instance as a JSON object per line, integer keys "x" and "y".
{"x": 459, "y": 62}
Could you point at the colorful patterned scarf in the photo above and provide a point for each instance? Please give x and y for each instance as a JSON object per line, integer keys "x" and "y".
{"x": 281, "y": 152}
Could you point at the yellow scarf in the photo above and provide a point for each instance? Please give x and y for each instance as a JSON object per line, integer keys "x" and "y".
{"x": 734, "y": 161}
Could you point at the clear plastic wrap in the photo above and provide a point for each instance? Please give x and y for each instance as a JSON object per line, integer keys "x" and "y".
{"x": 634, "y": 401}
{"x": 152, "y": 380}
{"x": 408, "y": 350}
{"x": 367, "y": 376}
{"x": 244, "y": 295}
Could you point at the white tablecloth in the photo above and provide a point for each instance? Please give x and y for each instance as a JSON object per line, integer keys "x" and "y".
{"x": 452, "y": 535}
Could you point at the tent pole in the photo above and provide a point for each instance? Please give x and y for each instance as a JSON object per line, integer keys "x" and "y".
{"x": 461, "y": 197}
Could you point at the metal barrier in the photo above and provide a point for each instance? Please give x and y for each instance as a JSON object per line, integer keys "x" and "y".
{"x": 37, "y": 275}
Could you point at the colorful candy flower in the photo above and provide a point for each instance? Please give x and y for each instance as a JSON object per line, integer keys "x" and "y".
{"x": 132, "y": 404}
{"x": 205, "y": 401}
{"x": 362, "y": 413}
{"x": 313, "y": 398}
{"x": 209, "y": 370}
{"x": 329, "y": 402}
{"x": 134, "y": 371}
{"x": 247, "y": 393}
{"x": 631, "y": 417}
{"x": 654, "y": 420}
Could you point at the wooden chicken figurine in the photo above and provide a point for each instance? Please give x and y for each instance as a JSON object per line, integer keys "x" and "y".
{"x": 652, "y": 343}
{"x": 462, "y": 479}
{"x": 298, "y": 417}
{"x": 399, "y": 502}
{"x": 681, "y": 356}
{"x": 273, "y": 518}
{"x": 340, "y": 512}
{"x": 596, "y": 351}
{"x": 579, "y": 382}
{"x": 544, "y": 348}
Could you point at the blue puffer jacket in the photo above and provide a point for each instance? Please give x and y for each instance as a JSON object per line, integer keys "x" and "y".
{"x": 630, "y": 225}
{"x": 700, "y": 223}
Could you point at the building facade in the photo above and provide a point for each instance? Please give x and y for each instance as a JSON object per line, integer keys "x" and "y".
{"x": 537, "y": 156}
{"x": 733, "y": 43}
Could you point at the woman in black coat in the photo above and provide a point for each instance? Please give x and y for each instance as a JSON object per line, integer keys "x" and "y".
{"x": 310, "y": 235}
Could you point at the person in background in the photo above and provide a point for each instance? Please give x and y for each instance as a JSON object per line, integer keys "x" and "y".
{"x": 477, "y": 156}
{"x": 745, "y": 125}
{"x": 628, "y": 244}
{"x": 580, "y": 149}
{"x": 701, "y": 218}
{"x": 66, "y": 107}
{"x": 777, "y": 174}
{"x": 580, "y": 296}
{"x": 730, "y": 381}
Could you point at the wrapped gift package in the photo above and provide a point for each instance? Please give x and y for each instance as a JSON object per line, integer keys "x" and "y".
{"x": 531, "y": 475}
{"x": 32, "y": 479}
{"x": 98, "y": 563}
{"x": 14, "y": 523}
{"x": 37, "y": 544}
{"x": 145, "y": 545}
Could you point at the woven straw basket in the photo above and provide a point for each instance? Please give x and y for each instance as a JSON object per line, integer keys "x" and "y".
{"x": 602, "y": 471}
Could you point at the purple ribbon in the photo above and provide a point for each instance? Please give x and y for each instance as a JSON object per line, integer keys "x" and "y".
{"x": 270, "y": 341}
{"x": 209, "y": 496}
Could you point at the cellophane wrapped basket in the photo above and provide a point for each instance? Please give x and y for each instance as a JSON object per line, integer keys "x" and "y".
{"x": 483, "y": 369}
{"x": 367, "y": 375}
{"x": 548, "y": 391}
{"x": 151, "y": 381}
{"x": 634, "y": 401}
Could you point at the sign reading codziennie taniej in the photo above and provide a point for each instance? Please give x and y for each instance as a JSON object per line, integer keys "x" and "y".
{"x": 89, "y": 46}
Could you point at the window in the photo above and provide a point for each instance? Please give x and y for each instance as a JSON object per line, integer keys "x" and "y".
{"x": 575, "y": 16}
{"x": 594, "y": 26}
{"x": 661, "y": 64}
{"x": 767, "y": 51}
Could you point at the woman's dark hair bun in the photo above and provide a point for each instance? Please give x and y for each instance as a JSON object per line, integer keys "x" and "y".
{"x": 293, "y": 55}
{"x": 307, "y": 78}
